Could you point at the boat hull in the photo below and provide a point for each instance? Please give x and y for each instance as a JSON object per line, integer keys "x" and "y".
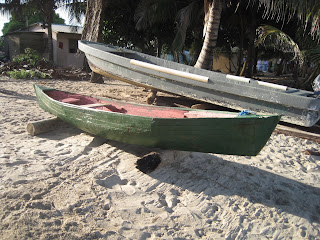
{"x": 236, "y": 136}
{"x": 237, "y": 93}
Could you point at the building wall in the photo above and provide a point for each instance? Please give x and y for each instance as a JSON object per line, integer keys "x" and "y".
{"x": 61, "y": 55}
{"x": 67, "y": 55}
{"x": 224, "y": 64}
{"x": 12, "y": 48}
{"x": 17, "y": 42}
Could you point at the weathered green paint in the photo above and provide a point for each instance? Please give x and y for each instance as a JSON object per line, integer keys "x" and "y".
{"x": 245, "y": 135}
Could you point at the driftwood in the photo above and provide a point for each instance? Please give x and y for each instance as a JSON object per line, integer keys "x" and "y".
{"x": 203, "y": 106}
{"x": 43, "y": 126}
{"x": 298, "y": 133}
{"x": 151, "y": 96}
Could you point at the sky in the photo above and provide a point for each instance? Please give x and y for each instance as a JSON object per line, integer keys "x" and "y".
{"x": 4, "y": 18}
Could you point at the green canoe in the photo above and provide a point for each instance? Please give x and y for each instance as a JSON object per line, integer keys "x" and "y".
{"x": 161, "y": 127}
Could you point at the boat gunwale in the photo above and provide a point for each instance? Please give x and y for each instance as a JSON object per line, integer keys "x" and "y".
{"x": 153, "y": 106}
{"x": 121, "y": 61}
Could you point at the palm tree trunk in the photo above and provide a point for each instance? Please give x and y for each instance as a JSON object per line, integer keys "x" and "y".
{"x": 50, "y": 44}
{"x": 47, "y": 10}
{"x": 213, "y": 14}
{"x": 241, "y": 36}
{"x": 93, "y": 26}
{"x": 251, "y": 46}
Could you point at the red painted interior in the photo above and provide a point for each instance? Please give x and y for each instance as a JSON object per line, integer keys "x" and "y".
{"x": 132, "y": 109}
{"x": 122, "y": 107}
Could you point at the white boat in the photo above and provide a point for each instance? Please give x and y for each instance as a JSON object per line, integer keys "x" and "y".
{"x": 294, "y": 105}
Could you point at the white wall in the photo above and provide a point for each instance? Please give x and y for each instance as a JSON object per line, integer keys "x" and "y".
{"x": 63, "y": 57}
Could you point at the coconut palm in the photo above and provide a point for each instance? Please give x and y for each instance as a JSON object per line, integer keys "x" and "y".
{"x": 212, "y": 18}
{"x": 92, "y": 31}
{"x": 307, "y": 11}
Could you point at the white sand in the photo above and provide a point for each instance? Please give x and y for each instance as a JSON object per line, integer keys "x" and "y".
{"x": 67, "y": 184}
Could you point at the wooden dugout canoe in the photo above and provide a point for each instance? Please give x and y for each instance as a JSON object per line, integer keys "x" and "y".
{"x": 160, "y": 127}
{"x": 296, "y": 106}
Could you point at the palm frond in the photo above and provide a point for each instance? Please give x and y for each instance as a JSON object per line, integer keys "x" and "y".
{"x": 307, "y": 11}
{"x": 271, "y": 37}
{"x": 314, "y": 55}
{"x": 9, "y": 6}
{"x": 75, "y": 8}
{"x": 185, "y": 18}
{"x": 151, "y": 12}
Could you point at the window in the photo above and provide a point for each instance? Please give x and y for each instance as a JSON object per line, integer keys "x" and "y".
{"x": 73, "y": 45}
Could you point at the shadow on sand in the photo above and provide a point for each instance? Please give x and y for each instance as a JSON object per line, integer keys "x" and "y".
{"x": 213, "y": 175}
{"x": 17, "y": 95}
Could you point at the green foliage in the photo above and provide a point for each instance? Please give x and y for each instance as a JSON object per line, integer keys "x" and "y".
{"x": 30, "y": 57}
{"x": 271, "y": 37}
{"x": 18, "y": 21}
{"x": 12, "y": 26}
{"x": 120, "y": 27}
{"x": 26, "y": 74}
{"x": 1, "y": 43}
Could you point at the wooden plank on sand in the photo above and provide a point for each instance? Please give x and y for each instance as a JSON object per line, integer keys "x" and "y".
{"x": 43, "y": 126}
{"x": 298, "y": 133}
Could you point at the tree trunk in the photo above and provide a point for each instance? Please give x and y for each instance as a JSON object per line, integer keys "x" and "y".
{"x": 213, "y": 11}
{"x": 44, "y": 126}
{"x": 243, "y": 68}
{"x": 254, "y": 71}
{"x": 251, "y": 46}
{"x": 50, "y": 44}
{"x": 240, "y": 56}
{"x": 92, "y": 30}
{"x": 47, "y": 10}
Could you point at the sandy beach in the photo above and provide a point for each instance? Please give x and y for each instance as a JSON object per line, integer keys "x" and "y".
{"x": 67, "y": 184}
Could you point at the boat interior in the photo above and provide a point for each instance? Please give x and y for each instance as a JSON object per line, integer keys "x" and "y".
{"x": 133, "y": 109}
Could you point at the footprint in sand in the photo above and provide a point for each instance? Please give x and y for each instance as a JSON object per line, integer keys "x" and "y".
{"x": 115, "y": 182}
{"x": 111, "y": 181}
{"x": 129, "y": 190}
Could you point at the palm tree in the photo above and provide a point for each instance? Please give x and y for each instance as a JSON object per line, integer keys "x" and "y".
{"x": 92, "y": 31}
{"x": 307, "y": 11}
{"x": 212, "y": 18}
{"x": 309, "y": 52}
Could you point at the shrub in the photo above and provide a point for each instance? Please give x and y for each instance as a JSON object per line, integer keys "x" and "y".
{"x": 24, "y": 74}
{"x": 30, "y": 57}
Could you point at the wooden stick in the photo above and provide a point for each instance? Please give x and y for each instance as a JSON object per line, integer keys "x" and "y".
{"x": 95, "y": 105}
{"x": 43, "y": 126}
{"x": 298, "y": 133}
{"x": 151, "y": 97}
{"x": 170, "y": 71}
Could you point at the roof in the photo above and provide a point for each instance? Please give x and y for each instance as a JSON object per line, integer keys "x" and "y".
{"x": 58, "y": 28}
{"x": 66, "y": 28}
{"x": 23, "y": 32}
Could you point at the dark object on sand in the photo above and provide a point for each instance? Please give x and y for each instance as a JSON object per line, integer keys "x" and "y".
{"x": 148, "y": 163}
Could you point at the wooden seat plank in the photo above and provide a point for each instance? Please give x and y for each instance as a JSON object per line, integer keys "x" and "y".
{"x": 95, "y": 105}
